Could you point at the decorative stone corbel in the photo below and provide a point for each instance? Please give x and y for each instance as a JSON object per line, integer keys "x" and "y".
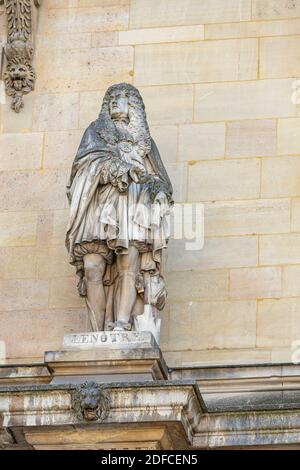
{"x": 19, "y": 76}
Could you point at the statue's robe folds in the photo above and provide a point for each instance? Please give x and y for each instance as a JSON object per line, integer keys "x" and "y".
{"x": 109, "y": 211}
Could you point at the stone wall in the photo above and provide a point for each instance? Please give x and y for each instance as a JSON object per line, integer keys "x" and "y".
{"x": 217, "y": 77}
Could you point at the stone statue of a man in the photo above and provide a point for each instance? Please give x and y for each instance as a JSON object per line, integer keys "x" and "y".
{"x": 119, "y": 194}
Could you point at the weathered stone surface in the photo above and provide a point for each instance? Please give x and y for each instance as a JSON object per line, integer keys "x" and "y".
{"x": 175, "y": 12}
{"x": 60, "y": 148}
{"x": 201, "y": 141}
{"x": 295, "y": 215}
{"x": 53, "y": 262}
{"x": 24, "y": 374}
{"x": 90, "y": 103}
{"x": 275, "y": 9}
{"x": 207, "y": 325}
{"x": 23, "y": 294}
{"x": 253, "y": 283}
{"x": 18, "y": 228}
{"x": 44, "y": 228}
{"x": 84, "y": 69}
{"x": 164, "y": 35}
{"x": 38, "y": 330}
{"x": 288, "y": 136}
{"x": 21, "y": 151}
{"x": 169, "y": 104}
{"x": 218, "y": 357}
{"x": 251, "y": 138}
{"x": 105, "y": 39}
{"x": 280, "y": 177}
{"x": 185, "y": 286}
{"x": 218, "y": 252}
{"x": 164, "y": 405}
{"x": 233, "y": 378}
{"x": 279, "y": 58}
{"x": 250, "y": 100}
{"x": 252, "y": 29}
{"x": 122, "y": 362}
{"x": 247, "y": 217}
{"x": 56, "y": 112}
{"x": 161, "y": 416}
{"x": 291, "y": 281}
{"x": 178, "y": 175}
{"x": 199, "y": 62}
{"x": 280, "y": 249}
{"x": 166, "y": 140}
{"x": 18, "y": 262}
{"x": 63, "y": 293}
{"x": 280, "y": 355}
{"x": 278, "y": 323}
{"x": 60, "y": 223}
{"x": 84, "y": 3}
{"x": 89, "y": 19}
{"x": 36, "y": 190}
{"x": 66, "y": 42}
{"x": 17, "y": 122}
{"x": 221, "y": 180}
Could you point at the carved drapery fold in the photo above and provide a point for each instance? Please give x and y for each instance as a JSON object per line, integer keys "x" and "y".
{"x": 19, "y": 76}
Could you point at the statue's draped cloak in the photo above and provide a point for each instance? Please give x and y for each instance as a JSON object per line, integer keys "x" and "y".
{"x": 96, "y": 149}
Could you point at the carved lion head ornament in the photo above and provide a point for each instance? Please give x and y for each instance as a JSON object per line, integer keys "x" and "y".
{"x": 19, "y": 76}
{"x": 91, "y": 402}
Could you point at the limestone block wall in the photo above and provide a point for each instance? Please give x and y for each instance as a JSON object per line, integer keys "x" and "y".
{"x": 219, "y": 79}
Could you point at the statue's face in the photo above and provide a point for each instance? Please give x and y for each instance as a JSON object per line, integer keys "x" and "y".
{"x": 118, "y": 105}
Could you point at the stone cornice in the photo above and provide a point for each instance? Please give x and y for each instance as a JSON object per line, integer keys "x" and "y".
{"x": 45, "y": 412}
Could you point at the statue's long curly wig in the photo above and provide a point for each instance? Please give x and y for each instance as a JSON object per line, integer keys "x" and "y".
{"x": 137, "y": 127}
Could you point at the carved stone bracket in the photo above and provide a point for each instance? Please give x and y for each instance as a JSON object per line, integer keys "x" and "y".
{"x": 19, "y": 76}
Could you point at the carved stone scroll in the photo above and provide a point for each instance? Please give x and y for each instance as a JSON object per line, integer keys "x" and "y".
{"x": 19, "y": 76}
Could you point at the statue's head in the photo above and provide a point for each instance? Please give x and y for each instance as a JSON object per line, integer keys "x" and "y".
{"x": 122, "y": 99}
{"x": 118, "y": 105}
{"x": 123, "y": 102}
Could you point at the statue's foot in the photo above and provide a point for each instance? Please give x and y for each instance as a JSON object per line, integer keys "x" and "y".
{"x": 122, "y": 326}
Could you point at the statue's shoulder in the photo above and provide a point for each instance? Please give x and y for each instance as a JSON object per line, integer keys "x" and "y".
{"x": 92, "y": 132}
{"x": 154, "y": 149}
{"x": 93, "y": 126}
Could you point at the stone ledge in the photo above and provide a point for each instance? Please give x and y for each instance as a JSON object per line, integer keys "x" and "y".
{"x": 44, "y": 409}
{"x": 159, "y": 415}
{"x": 24, "y": 374}
{"x": 107, "y": 365}
{"x": 107, "y": 356}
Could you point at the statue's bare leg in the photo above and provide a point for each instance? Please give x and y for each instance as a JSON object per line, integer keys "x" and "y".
{"x": 94, "y": 267}
{"x": 128, "y": 266}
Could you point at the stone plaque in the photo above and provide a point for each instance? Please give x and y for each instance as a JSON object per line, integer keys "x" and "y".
{"x": 109, "y": 340}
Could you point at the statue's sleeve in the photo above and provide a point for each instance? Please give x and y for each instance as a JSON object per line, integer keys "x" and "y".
{"x": 115, "y": 171}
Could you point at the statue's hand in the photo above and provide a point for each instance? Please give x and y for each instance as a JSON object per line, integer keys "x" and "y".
{"x": 138, "y": 174}
{"x": 157, "y": 188}
{"x": 161, "y": 198}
